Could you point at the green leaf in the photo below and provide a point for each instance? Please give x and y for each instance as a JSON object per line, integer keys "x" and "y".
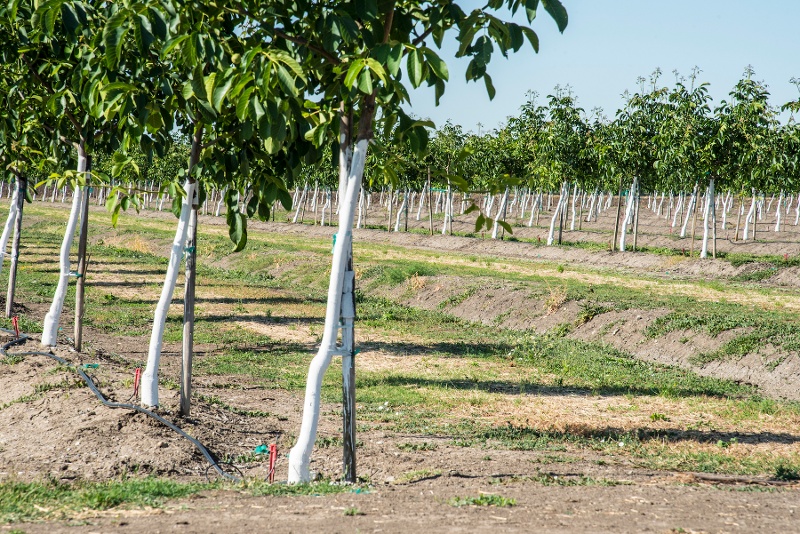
{"x": 209, "y": 82}
{"x": 532, "y": 37}
{"x": 237, "y": 230}
{"x": 393, "y": 59}
{"x": 242, "y": 104}
{"x": 436, "y": 64}
{"x": 489, "y": 86}
{"x": 69, "y": 17}
{"x": 114, "y": 37}
{"x": 377, "y": 69}
{"x": 219, "y": 93}
{"x": 505, "y": 226}
{"x": 158, "y": 23}
{"x": 365, "y": 82}
{"x": 352, "y": 73}
{"x": 286, "y": 80}
{"x": 558, "y": 12}
{"x": 414, "y": 66}
{"x": 479, "y": 222}
{"x": 285, "y": 199}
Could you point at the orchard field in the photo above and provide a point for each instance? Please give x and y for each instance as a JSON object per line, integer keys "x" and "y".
{"x": 500, "y": 384}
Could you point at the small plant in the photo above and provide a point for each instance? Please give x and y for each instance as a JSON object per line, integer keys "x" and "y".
{"x": 560, "y": 268}
{"x": 658, "y": 417}
{"x": 787, "y": 472}
{"x": 415, "y": 447}
{"x": 353, "y": 511}
{"x": 556, "y": 299}
{"x": 486, "y": 499}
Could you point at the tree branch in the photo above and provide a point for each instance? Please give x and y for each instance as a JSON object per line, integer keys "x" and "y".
{"x": 49, "y": 87}
{"x": 304, "y": 42}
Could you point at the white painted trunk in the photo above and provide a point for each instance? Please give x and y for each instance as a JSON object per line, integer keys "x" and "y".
{"x": 422, "y": 196}
{"x": 448, "y": 210}
{"x": 797, "y": 211}
{"x": 149, "y": 384}
{"x": 361, "y": 208}
{"x": 778, "y": 214}
{"x": 300, "y": 204}
{"x": 708, "y": 218}
{"x": 689, "y": 212}
{"x": 678, "y": 207}
{"x": 500, "y": 210}
{"x": 574, "y": 194}
{"x": 51, "y": 320}
{"x": 300, "y": 455}
{"x": 750, "y": 214}
{"x": 628, "y": 216}
{"x": 400, "y": 212}
{"x": 556, "y": 214}
{"x": 13, "y": 210}
{"x": 592, "y": 202}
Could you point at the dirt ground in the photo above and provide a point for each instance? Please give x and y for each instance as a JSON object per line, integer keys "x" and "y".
{"x": 66, "y": 434}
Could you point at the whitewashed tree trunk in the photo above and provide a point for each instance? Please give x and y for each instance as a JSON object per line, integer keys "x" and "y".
{"x": 300, "y": 204}
{"x": 592, "y": 202}
{"x": 361, "y": 208}
{"x": 422, "y": 196}
{"x": 797, "y": 211}
{"x": 559, "y": 206}
{"x": 500, "y": 212}
{"x": 628, "y": 215}
{"x": 51, "y": 320}
{"x": 778, "y": 213}
{"x": 689, "y": 211}
{"x": 448, "y": 209}
{"x": 149, "y": 383}
{"x": 13, "y": 210}
{"x": 708, "y": 217}
{"x": 574, "y": 194}
{"x": 400, "y": 211}
{"x": 300, "y": 455}
{"x": 750, "y": 213}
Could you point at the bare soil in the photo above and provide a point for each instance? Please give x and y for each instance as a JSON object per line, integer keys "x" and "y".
{"x": 63, "y": 432}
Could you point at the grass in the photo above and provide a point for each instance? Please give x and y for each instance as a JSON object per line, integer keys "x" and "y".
{"x": 486, "y": 499}
{"x": 468, "y": 383}
{"x": 34, "y": 501}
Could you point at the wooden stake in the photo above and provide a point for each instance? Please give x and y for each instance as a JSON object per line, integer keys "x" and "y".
{"x": 81, "y": 278}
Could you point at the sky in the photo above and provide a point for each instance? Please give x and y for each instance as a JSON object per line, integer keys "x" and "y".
{"x": 608, "y": 44}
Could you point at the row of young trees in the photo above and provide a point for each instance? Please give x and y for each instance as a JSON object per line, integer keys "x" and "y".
{"x": 258, "y": 89}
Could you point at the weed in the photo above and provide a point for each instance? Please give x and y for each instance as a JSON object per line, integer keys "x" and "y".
{"x": 415, "y": 447}
{"x": 486, "y": 499}
{"x": 353, "y": 511}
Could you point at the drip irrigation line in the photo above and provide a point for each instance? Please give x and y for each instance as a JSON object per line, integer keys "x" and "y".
{"x": 93, "y": 387}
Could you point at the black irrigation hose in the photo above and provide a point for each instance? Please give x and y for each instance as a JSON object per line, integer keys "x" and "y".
{"x": 92, "y": 386}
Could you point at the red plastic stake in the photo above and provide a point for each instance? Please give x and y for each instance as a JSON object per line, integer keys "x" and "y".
{"x": 15, "y": 322}
{"x": 273, "y": 456}
{"x": 137, "y": 377}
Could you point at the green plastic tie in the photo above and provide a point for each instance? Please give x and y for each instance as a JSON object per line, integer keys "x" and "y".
{"x": 87, "y": 366}
{"x": 190, "y": 250}
{"x": 356, "y": 351}
{"x": 76, "y": 274}
{"x": 261, "y": 449}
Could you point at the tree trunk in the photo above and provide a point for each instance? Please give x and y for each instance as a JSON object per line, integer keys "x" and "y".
{"x": 300, "y": 454}
{"x": 51, "y": 320}
{"x": 149, "y": 384}
{"x": 22, "y": 184}
{"x": 616, "y": 222}
{"x": 81, "y": 275}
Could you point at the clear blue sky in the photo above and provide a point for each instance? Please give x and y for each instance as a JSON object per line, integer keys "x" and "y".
{"x": 609, "y": 43}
